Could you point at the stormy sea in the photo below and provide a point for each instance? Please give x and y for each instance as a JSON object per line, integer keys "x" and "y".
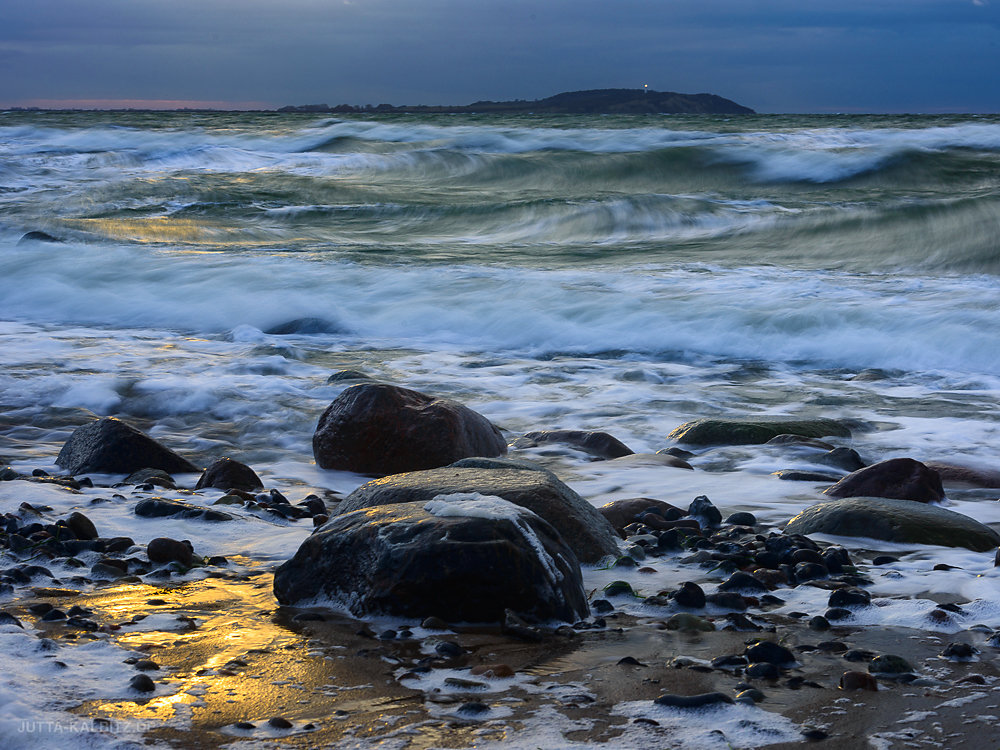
{"x": 217, "y": 279}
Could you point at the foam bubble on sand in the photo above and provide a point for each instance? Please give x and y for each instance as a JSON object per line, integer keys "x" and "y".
{"x": 42, "y": 679}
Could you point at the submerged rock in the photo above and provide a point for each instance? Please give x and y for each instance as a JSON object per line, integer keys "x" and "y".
{"x": 894, "y": 520}
{"x": 37, "y": 236}
{"x": 305, "y": 326}
{"x": 967, "y": 476}
{"x": 620, "y": 513}
{"x": 585, "y": 530}
{"x": 463, "y": 560}
{"x": 901, "y": 478}
{"x": 158, "y": 507}
{"x": 110, "y": 446}
{"x": 755, "y": 430}
{"x": 597, "y": 444}
{"x": 379, "y": 429}
{"x": 227, "y": 474}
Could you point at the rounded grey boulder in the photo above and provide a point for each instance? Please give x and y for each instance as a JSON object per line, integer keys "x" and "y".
{"x": 894, "y": 520}
{"x": 585, "y": 530}
{"x": 461, "y": 559}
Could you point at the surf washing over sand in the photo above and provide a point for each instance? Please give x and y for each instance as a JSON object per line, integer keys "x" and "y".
{"x": 211, "y": 271}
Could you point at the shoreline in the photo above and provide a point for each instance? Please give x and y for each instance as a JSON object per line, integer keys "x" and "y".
{"x": 236, "y": 656}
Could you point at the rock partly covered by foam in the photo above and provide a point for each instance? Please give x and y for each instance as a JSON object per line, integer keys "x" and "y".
{"x": 901, "y": 478}
{"x": 110, "y": 446}
{"x": 585, "y": 530}
{"x": 597, "y": 444}
{"x": 378, "y": 429}
{"x": 464, "y": 558}
{"x": 894, "y": 520}
{"x": 755, "y": 430}
{"x": 227, "y": 474}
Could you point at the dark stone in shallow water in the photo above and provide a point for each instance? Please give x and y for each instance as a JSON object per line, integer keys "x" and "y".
{"x": 770, "y": 652}
{"x": 597, "y": 444}
{"x": 692, "y": 701}
{"x": 895, "y": 521}
{"x": 305, "y": 326}
{"x": 753, "y": 430}
{"x": 620, "y": 513}
{"x": 901, "y": 478}
{"x": 402, "y": 560}
{"x": 795, "y": 475}
{"x": 36, "y": 236}
{"x": 227, "y": 474}
{"x": 164, "y": 550}
{"x": 110, "y": 446}
{"x": 81, "y": 526}
{"x": 158, "y": 507}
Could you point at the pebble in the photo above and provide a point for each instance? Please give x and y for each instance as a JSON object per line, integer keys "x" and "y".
{"x": 142, "y": 683}
{"x": 889, "y": 664}
{"x": 849, "y": 597}
{"x": 689, "y": 595}
{"x": 762, "y": 671}
{"x": 959, "y": 652}
{"x": 692, "y": 701}
{"x": 858, "y": 681}
{"x": 279, "y": 722}
{"x": 473, "y": 708}
{"x": 770, "y": 652}
{"x": 448, "y": 649}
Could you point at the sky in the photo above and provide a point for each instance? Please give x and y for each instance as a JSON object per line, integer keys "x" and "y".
{"x": 927, "y": 56}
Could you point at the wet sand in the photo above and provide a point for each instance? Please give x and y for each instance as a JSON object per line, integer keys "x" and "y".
{"x": 239, "y": 658}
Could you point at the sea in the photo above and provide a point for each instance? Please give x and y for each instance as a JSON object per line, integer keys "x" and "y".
{"x": 624, "y": 274}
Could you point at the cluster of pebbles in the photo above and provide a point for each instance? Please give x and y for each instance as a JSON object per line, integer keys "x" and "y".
{"x": 761, "y": 565}
{"x": 32, "y": 545}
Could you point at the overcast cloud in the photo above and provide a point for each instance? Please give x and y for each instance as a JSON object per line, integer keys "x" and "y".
{"x": 771, "y": 55}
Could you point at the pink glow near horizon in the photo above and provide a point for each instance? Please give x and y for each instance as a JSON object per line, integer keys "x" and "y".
{"x": 138, "y": 104}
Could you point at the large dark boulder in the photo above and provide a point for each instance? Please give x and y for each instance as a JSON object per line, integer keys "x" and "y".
{"x": 585, "y": 530}
{"x": 597, "y": 444}
{"x": 379, "y": 429}
{"x": 894, "y": 520}
{"x": 461, "y": 559}
{"x": 110, "y": 446}
{"x": 901, "y": 478}
{"x": 227, "y": 474}
{"x": 755, "y": 430}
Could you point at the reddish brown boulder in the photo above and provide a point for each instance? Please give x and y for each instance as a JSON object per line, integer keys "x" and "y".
{"x": 379, "y": 429}
{"x": 897, "y": 478}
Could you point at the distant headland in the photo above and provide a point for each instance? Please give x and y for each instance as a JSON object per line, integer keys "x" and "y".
{"x": 590, "y": 102}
